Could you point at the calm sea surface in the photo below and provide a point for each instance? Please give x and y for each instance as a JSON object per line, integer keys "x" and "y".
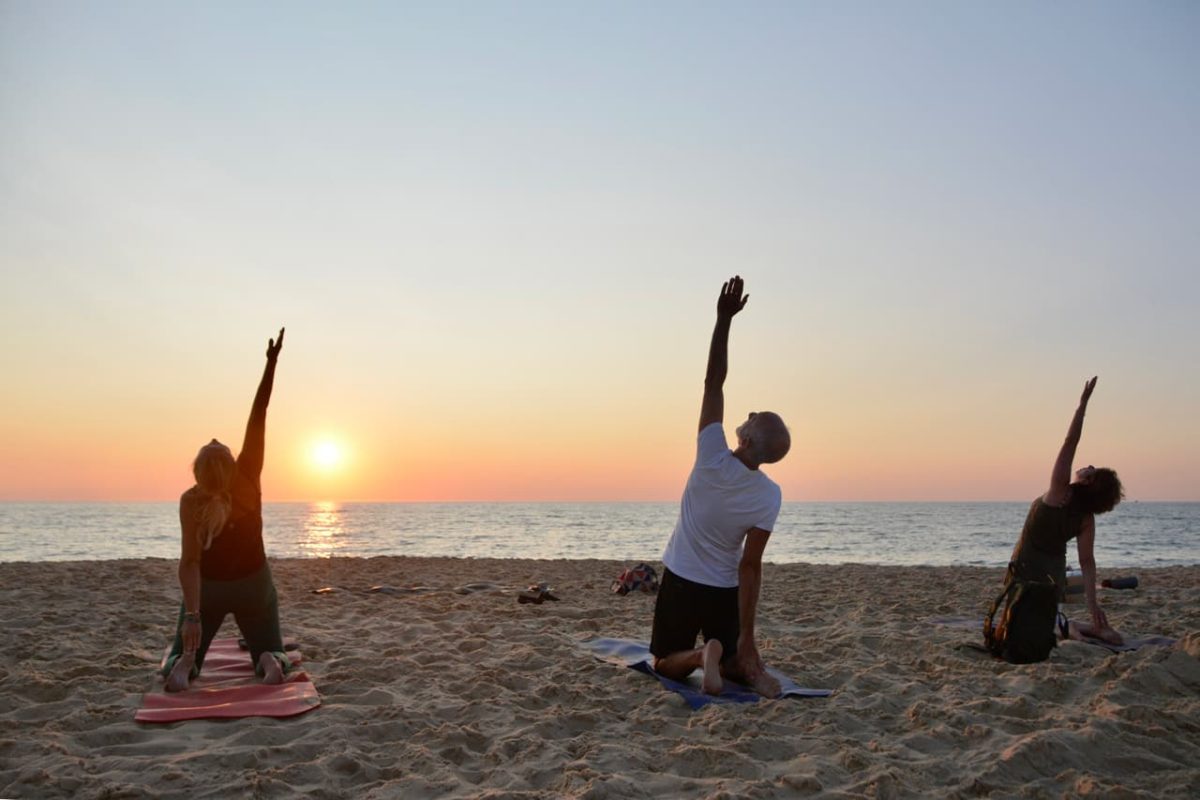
{"x": 1135, "y": 535}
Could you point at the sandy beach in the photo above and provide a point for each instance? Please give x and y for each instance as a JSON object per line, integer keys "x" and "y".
{"x": 432, "y": 692}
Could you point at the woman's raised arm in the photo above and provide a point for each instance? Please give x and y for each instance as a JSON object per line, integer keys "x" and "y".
{"x": 1060, "y": 476}
{"x": 250, "y": 459}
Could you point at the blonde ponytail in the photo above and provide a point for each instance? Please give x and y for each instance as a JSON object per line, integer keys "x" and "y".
{"x": 213, "y": 515}
{"x": 213, "y": 468}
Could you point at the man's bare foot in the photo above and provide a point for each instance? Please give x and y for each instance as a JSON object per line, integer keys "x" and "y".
{"x": 181, "y": 673}
{"x": 712, "y": 682}
{"x": 766, "y": 684}
{"x": 272, "y": 672}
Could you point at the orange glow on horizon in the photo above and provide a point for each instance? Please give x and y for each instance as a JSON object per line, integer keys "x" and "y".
{"x": 637, "y": 450}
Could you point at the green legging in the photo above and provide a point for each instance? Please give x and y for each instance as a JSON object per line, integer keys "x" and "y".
{"x": 255, "y": 607}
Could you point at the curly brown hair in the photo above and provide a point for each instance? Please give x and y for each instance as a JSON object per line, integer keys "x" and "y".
{"x": 1101, "y": 494}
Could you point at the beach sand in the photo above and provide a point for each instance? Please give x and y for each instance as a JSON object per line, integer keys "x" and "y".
{"x": 435, "y": 693}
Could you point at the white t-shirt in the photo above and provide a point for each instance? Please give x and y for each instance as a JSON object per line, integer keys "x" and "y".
{"x": 722, "y": 501}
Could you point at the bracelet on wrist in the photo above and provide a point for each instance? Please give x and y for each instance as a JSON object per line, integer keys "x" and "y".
{"x": 191, "y": 616}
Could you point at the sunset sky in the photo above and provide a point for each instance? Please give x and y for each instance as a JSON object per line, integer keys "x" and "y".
{"x": 496, "y": 233}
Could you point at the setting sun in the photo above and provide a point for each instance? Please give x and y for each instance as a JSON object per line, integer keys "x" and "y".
{"x": 326, "y": 455}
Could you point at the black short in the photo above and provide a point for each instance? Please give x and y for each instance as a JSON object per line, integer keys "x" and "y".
{"x": 685, "y": 608}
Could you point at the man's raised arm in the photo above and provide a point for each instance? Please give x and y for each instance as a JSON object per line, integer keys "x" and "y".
{"x": 731, "y": 301}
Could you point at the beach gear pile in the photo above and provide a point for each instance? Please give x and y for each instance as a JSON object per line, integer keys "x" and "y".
{"x": 641, "y": 578}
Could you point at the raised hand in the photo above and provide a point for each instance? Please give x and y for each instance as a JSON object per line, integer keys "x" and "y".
{"x": 274, "y": 346}
{"x": 1088, "y": 386}
{"x": 731, "y": 300}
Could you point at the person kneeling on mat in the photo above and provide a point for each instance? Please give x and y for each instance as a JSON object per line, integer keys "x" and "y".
{"x": 1036, "y": 580}
{"x": 713, "y": 560}
{"x": 223, "y": 568}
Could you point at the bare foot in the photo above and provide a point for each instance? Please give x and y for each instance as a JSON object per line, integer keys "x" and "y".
{"x": 272, "y": 672}
{"x": 712, "y": 683}
{"x": 1086, "y": 630}
{"x": 766, "y": 684}
{"x": 181, "y": 673}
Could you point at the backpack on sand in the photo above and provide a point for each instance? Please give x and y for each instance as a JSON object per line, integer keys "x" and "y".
{"x": 1024, "y": 633}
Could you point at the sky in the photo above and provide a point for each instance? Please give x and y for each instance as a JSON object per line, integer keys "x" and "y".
{"x": 496, "y": 233}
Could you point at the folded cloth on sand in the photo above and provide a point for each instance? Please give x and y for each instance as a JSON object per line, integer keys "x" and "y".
{"x": 636, "y": 655}
{"x": 228, "y": 688}
{"x": 1131, "y": 642}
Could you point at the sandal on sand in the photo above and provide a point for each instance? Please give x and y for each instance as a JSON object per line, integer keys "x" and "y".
{"x": 536, "y": 594}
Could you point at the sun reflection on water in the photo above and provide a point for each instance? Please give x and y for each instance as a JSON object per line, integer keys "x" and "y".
{"x": 324, "y": 533}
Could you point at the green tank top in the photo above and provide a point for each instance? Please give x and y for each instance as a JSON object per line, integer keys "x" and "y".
{"x": 1042, "y": 549}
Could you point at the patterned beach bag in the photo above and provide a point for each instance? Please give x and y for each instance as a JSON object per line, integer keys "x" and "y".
{"x": 641, "y": 578}
{"x": 1024, "y": 632}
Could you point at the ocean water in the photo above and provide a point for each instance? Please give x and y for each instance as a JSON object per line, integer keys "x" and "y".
{"x": 1135, "y": 535}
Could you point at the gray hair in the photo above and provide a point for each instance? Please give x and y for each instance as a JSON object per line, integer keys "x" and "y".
{"x": 776, "y": 442}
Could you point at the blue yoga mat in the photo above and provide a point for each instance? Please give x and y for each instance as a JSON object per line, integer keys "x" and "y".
{"x": 1131, "y": 642}
{"x": 636, "y": 655}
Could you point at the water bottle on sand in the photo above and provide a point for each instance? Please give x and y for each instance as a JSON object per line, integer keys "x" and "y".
{"x": 1128, "y": 582}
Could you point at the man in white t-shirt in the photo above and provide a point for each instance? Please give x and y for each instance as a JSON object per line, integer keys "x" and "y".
{"x": 713, "y": 559}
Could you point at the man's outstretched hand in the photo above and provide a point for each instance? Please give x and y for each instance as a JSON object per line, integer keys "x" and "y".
{"x": 731, "y": 300}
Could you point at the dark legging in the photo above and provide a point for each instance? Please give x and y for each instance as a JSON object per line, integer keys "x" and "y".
{"x": 255, "y": 608}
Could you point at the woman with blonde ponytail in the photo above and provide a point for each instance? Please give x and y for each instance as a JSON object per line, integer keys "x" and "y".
{"x": 214, "y": 468}
{"x": 223, "y": 568}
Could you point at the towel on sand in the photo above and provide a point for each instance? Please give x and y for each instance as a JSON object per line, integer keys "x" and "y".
{"x": 636, "y": 655}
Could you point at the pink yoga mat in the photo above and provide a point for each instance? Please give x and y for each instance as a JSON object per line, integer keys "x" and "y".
{"x": 227, "y": 687}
